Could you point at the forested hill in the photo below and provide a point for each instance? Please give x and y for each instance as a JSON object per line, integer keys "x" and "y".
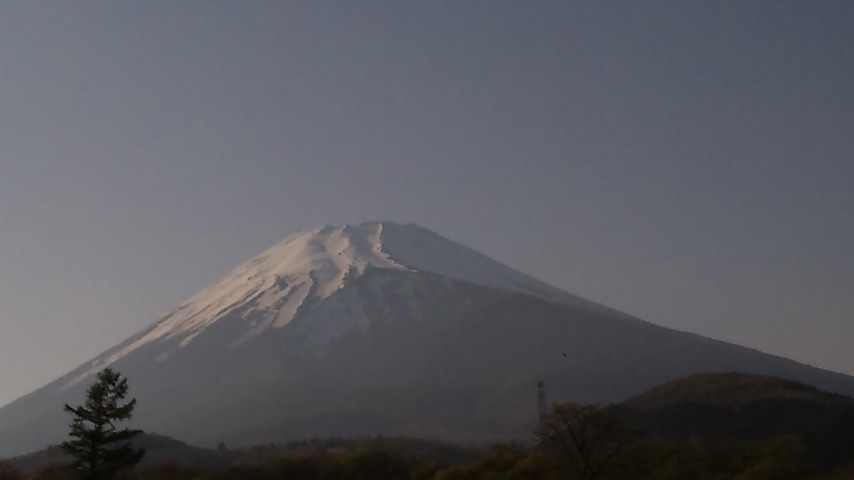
{"x": 747, "y": 407}
{"x": 730, "y": 390}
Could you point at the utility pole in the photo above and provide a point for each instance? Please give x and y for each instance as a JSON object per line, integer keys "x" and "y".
{"x": 543, "y": 411}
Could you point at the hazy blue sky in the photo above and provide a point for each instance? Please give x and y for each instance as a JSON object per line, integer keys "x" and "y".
{"x": 691, "y": 163}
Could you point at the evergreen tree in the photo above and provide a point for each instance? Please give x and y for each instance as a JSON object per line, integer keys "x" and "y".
{"x": 98, "y": 447}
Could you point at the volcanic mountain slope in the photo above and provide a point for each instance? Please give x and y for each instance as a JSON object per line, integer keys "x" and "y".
{"x": 380, "y": 328}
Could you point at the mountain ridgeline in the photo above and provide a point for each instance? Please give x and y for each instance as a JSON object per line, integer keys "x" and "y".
{"x": 381, "y": 328}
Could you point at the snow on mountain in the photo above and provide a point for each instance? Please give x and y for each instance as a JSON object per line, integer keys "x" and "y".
{"x": 423, "y": 250}
{"x": 307, "y": 267}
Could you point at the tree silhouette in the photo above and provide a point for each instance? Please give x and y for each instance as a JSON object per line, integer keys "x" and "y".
{"x": 588, "y": 438}
{"x": 98, "y": 447}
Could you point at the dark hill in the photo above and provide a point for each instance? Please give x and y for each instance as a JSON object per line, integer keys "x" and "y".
{"x": 747, "y": 407}
{"x": 732, "y": 390}
{"x": 158, "y": 449}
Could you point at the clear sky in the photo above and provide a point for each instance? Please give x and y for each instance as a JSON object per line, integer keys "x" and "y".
{"x": 689, "y": 162}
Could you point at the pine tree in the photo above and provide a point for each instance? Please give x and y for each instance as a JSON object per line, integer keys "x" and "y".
{"x": 98, "y": 447}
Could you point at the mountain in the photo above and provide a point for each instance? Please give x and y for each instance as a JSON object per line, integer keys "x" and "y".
{"x": 736, "y": 406}
{"x": 380, "y": 328}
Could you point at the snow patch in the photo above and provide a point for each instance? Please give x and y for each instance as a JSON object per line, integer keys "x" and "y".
{"x": 270, "y": 288}
{"x": 423, "y": 250}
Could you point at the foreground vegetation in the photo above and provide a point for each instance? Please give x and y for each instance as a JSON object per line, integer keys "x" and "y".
{"x": 776, "y": 459}
{"x": 706, "y": 427}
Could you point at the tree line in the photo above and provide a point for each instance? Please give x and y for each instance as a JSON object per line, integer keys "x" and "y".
{"x": 573, "y": 441}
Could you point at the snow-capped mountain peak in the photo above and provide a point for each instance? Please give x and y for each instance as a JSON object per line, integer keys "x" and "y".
{"x": 313, "y": 264}
{"x": 271, "y": 289}
{"x": 317, "y": 263}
